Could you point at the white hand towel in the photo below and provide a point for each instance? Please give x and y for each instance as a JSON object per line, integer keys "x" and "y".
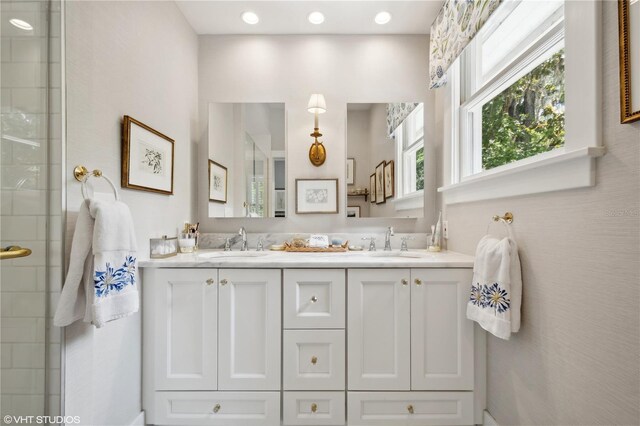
{"x": 496, "y": 290}
{"x": 101, "y": 281}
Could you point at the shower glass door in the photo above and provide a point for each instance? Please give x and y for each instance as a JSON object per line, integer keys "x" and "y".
{"x": 30, "y": 208}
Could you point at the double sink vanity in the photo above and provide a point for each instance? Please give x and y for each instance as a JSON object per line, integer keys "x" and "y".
{"x": 270, "y": 338}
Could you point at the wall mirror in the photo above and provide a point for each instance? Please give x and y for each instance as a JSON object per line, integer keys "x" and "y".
{"x": 385, "y": 160}
{"x": 247, "y": 165}
{"x": 629, "y": 27}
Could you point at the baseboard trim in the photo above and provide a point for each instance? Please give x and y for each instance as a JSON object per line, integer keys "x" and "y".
{"x": 488, "y": 420}
{"x": 139, "y": 420}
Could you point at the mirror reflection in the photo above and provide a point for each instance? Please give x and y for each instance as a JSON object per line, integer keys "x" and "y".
{"x": 247, "y": 175}
{"x": 385, "y": 160}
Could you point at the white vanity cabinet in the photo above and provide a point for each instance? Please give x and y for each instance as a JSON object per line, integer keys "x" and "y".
{"x": 309, "y": 346}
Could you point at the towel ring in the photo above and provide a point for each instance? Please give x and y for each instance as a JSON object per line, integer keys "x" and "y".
{"x": 506, "y": 220}
{"x": 82, "y": 175}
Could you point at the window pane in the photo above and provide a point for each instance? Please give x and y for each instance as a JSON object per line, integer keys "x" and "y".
{"x": 527, "y": 118}
{"x": 420, "y": 169}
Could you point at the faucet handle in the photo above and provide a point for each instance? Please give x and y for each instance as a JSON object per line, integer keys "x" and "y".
{"x": 227, "y": 243}
{"x": 260, "y": 246}
{"x": 372, "y": 243}
{"x": 404, "y": 246}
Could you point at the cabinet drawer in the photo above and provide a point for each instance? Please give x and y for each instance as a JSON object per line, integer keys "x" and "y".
{"x": 314, "y": 360}
{"x": 410, "y": 408}
{"x": 314, "y": 298}
{"x": 313, "y": 408}
{"x": 218, "y": 408}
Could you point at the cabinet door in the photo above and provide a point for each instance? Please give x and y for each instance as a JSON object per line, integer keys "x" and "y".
{"x": 249, "y": 329}
{"x": 186, "y": 303}
{"x": 378, "y": 329}
{"x": 441, "y": 334}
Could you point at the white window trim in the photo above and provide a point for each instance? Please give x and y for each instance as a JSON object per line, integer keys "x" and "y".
{"x": 411, "y": 200}
{"x": 572, "y": 166}
{"x": 414, "y": 200}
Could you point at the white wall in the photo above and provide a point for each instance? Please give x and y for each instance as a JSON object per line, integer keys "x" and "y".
{"x": 575, "y": 359}
{"x": 358, "y": 148}
{"x": 139, "y": 59}
{"x": 288, "y": 69}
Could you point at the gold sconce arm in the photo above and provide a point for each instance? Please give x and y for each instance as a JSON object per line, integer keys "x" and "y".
{"x": 14, "y": 251}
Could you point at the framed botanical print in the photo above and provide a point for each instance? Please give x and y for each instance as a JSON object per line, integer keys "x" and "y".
{"x": 316, "y": 196}
{"x": 388, "y": 179}
{"x": 372, "y": 187}
{"x": 629, "y": 35}
{"x": 147, "y": 158}
{"x": 380, "y": 198}
{"x": 217, "y": 182}
{"x": 351, "y": 170}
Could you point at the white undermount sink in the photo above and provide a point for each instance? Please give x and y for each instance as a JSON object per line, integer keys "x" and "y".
{"x": 231, "y": 254}
{"x": 390, "y": 254}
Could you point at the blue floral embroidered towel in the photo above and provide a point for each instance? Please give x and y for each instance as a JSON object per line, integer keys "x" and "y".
{"x": 101, "y": 281}
{"x": 496, "y": 290}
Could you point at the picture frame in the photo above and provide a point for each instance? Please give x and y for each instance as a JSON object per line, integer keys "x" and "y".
{"x": 353, "y": 211}
{"x": 628, "y": 25}
{"x": 389, "y": 184}
{"x": 351, "y": 171}
{"x": 372, "y": 188}
{"x": 217, "y": 182}
{"x": 147, "y": 161}
{"x": 380, "y": 197}
{"x": 317, "y": 196}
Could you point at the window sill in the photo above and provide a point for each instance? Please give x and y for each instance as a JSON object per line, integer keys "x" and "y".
{"x": 553, "y": 171}
{"x": 410, "y": 202}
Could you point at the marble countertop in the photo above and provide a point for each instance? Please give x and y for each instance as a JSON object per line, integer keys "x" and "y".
{"x": 279, "y": 259}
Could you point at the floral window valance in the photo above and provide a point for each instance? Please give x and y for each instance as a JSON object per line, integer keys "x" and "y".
{"x": 396, "y": 114}
{"x": 456, "y": 25}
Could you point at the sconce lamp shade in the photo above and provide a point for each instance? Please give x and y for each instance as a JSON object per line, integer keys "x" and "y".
{"x": 317, "y": 104}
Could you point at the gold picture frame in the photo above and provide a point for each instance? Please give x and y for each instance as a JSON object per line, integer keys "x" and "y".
{"x": 629, "y": 111}
{"x": 380, "y": 195}
{"x": 148, "y": 149}
{"x": 389, "y": 180}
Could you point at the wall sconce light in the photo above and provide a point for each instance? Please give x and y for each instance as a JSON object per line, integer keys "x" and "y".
{"x": 317, "y": 152}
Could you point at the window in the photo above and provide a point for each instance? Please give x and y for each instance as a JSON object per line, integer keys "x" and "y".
{"x": 523, "y": 105}
{"x": 515, "y": 86}
{"x": 409, "y": 138}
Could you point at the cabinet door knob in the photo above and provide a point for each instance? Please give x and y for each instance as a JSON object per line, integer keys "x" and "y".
{"x": 314, "y": 407}
{"x": 314, "y": 299}
{"x": 404, "y": 282}
{"x": 216, "y": 408}
{"x": 314, "y": 360}
{"x": 410, "y": 408}
{"x": 418, "y": 281}
{"x": 210, "y": 281}
{"x": 223, "y": 281}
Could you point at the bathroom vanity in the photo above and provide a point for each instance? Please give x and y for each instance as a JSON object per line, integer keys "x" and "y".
{"x": 270, "y": 338}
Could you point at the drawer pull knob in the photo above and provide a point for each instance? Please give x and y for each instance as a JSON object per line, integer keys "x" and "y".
{"x": 223, "y": 281}
{"x": 210, "y": 281}
{"x": 314, "y": 299}
{"x": 418, "y": 281}
{"x": 410, "y": 409}
{"x": 216, "y": 408}
{"x": 314, "y": 360}
{"x": 404, "y": 282}
{"x": 314, "y": 407}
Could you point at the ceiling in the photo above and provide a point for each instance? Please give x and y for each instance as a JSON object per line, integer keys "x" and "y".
{"x": 290, "y": 17}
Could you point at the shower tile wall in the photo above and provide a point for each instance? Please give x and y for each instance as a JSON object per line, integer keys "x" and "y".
{"x": 30, "y": 209}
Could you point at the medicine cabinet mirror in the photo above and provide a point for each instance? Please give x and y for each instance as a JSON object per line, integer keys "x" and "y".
{"x": 246, "y": 144}
{"x": 385, "y": 160}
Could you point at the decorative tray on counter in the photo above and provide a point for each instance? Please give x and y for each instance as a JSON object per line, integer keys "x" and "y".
{"x": 332, "y": 249}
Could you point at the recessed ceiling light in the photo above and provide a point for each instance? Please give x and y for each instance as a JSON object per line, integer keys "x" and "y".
{"x": 383, "y": 18}
{"x": 316, "y": 18}
{"x": 19, "y": 23}
{"x": 250, "y": 18}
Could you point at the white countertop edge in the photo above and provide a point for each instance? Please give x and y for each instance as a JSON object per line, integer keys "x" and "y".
{"x": 277, "y": 260}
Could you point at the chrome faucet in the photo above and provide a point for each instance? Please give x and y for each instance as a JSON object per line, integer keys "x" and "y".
{"x": 372, "y": 243}
{"x": 243, "y": 234}
{"x": 387, "y": 238}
